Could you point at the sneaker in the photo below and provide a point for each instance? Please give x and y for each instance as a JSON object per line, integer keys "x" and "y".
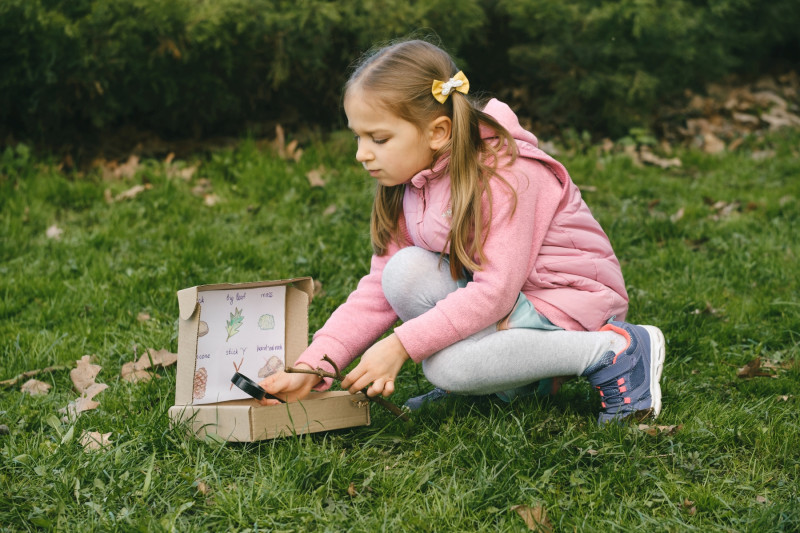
{"x": 629, "y": 381}
{"x": 412, "y": 404}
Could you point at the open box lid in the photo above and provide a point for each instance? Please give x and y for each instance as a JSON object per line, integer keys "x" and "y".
{"x": 299, "y": 293}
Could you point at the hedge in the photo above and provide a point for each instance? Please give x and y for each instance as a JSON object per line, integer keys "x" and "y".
{"x": 77, "y": 69}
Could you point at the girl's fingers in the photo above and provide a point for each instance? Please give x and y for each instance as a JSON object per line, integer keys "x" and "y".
{"x": 388, "y": 389}
{"x": 377, "y": 388}
{"x": 269, "y": 401}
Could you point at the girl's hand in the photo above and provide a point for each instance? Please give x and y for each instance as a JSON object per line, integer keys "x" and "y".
{"x": 290, "y": 387}
{"x": 379, "y": 366}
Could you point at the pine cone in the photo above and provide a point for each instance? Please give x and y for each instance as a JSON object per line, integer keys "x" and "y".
{"x": 200, "y": 380}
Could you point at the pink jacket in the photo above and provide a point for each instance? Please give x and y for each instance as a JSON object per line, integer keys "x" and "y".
{"x": 551, "y": 248}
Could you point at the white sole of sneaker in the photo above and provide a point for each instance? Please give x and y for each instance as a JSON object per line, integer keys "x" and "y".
{"x": 657, "y": 354}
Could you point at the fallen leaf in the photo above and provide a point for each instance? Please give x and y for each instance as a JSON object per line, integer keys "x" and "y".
{"x": 202, "y": 188}
{"x": 677, "y": 216}
{"x": 83, "y": 403}
{"x": 131, "y": 374}
{"x": 113, "y": 169}
{"x": 94, "y": 440}
{"x": 83, "y": 374}
{"x": 317, "y": 287}
{"x": 315, "y": 176}
{"x": 202, "y": 487}
{"x": 143, "y": 317}
{"x": 752, "y": 370}
{"x": 54, "y": 232}
{"x": 689, "y": 506}
{"x": 170, "y": 157}
{"x": 129, "y": 168}
{"x": 331, "y": 209}
{"x": 134, "y": 372}
{"x": 712, "y": 144}
{"x": 351, "y": 490}
{"x": 785, "y": 397}
{"x": 132, "y": 193}
{"x": 211, "y": 199}
{"x": 34, "y": 387}
{"x": 646, "y": 156}
{"x": 154, "y": 357}
{"x": 535, "y": 518}
{"x": 656, "y": 430}
{"x": 592, "y": 452}
{"x": 761, "y": 499}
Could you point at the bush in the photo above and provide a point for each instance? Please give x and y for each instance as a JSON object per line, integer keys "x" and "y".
{"x": 76, "y": 69}
{"x": 608, "y": 66}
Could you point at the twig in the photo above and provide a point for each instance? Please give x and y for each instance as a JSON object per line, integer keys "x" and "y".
{"x": 30, "y": 373}
{"x": 337, "y": 375}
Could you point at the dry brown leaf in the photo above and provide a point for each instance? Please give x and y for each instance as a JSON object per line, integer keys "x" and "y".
{"x": 592, "y": 452}
{"x": 132, "y": 374}
{"x": 535, "y": 518}
{"x": 646, "y": 156}
{"x": 211, "y": 199}
{"x": 656, "y": 430}
{"x": 202, "y": 188}
{"x": 83, "y": 403}
{"x": 153, "y": 357}
{"x": 94, "y": 440}
{"x": 351, "y": 490}
{"x": 54, "y": 232}
{"x": 202, "y": 487}
{"x": 112, "y": 169}
{"x": 143, "y": 317}
{"x": 712, "y": 144}
{"x": 331, "y": 209}
{"x": 315, "y": 178}
{"x": 34, "y": 387}
{"x": 761, "y": 499}
{"x": 689, "y": 506}
{"x": 132, "y": 193}
{"x": 317, "y": 287}
{"x": 170, "y": 158}
{"x": 83, "y": 374}
{"x": 677, "y": 215}
{"x": 752, "y": 370}
{"x": 135, "y": 372}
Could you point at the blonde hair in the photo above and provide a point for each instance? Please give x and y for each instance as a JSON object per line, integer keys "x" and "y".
{"x": 399, "y": 77}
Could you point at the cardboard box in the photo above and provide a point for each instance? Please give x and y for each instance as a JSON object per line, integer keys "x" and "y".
{"x": 247, "y": 420}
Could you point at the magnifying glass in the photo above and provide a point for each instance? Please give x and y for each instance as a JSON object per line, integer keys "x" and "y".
{"x": 252, "y": 388}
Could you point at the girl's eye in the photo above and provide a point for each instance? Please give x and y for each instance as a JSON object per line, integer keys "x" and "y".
{"x": 379, "y": 141}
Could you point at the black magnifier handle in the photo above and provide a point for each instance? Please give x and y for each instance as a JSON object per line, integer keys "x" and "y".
{"x": 252, "y": 388}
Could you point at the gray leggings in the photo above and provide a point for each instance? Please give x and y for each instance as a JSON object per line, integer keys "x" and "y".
{"x": 489, "y": 361}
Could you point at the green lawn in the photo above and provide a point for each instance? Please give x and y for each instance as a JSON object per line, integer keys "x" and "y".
{"x": 710, "y": 253}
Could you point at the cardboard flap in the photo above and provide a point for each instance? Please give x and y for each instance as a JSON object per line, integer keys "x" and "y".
{"x": 187, "y": 302}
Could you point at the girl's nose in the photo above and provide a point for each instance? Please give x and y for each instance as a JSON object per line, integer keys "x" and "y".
{"x": 362, "y": 154}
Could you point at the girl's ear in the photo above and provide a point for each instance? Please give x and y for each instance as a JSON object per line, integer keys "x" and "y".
{"x": 439, "y": 131}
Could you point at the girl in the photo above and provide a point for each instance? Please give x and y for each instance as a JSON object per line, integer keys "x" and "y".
{"x": 484, "y": 249}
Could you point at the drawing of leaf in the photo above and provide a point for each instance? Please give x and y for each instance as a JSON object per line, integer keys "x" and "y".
{"x": 234, "y": 323}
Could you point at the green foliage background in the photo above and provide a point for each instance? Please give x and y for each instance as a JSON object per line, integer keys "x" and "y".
{"x": 76, "y": 69}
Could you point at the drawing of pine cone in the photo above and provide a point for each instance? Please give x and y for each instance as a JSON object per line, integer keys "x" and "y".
{"x": 200, "y": 380}
{"x": 202, "y": 328}
{"x": 273, "y": 365}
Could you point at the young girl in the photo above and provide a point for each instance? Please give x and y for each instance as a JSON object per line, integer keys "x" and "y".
{"x": 484, "y": 249}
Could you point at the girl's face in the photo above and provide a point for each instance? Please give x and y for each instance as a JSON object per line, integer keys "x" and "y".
{"x": 391, "y": 149}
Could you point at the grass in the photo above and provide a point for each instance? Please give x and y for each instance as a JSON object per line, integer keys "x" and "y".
{"x": 710, "y": 254}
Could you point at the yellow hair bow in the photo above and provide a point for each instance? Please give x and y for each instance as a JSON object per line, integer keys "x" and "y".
{"x": 442, "y": 89}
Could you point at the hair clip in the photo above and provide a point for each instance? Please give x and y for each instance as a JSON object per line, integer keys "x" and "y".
{"x": 442, "y": 89}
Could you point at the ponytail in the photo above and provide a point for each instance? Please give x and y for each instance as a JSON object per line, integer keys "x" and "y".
{"x": 469, "y": 181}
